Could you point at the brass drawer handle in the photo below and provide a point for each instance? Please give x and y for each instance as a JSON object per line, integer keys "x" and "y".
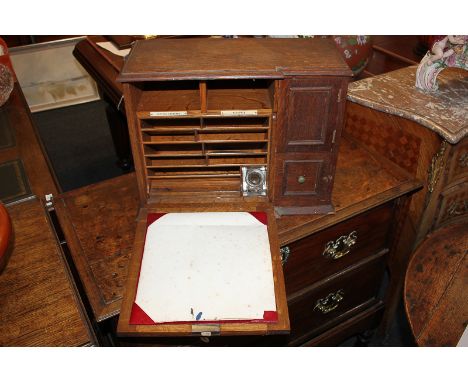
{"x": 329, "y": 303}
{"x": 301, "y": 179}
{"x": 341, "y": 246}
{"x": 284, "y": 252}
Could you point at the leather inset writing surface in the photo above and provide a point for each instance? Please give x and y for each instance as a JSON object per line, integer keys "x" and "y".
{"x": 203, "y": 267}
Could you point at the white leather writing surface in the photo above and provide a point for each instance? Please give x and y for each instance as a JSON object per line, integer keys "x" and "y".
{"x": 206, "y": 266}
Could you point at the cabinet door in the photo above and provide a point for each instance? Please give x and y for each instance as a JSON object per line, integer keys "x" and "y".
{"x": 310, "y": 113}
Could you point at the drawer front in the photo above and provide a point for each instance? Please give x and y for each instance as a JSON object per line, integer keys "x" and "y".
{"x": 332, "y": 302}
{"x": 367, "y": 320}
{"x": 303, "y": 179}
{"x": 453, "y": 204}
{"x": 329, "y": 251}
{"x": 458, "y": 167}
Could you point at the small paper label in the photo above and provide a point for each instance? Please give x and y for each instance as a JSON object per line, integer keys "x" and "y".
{"x": 166, "y": 113}
{"x": 233, "y": 113}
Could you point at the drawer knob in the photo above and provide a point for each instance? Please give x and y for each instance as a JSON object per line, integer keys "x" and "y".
{"x": 327, "y": 304}
{"x": 301, "y": 179}
{"x": 341, "y": 246}
{"x": 284, "y": 252}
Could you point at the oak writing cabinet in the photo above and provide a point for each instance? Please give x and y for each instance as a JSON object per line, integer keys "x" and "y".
{"x": 200, "y": 109}
{"x": 200, "y": 112}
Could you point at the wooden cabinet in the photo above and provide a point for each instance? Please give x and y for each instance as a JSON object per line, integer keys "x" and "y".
{"x": 433, "y": 149}
{"x": 255, "y": 102}
{"x": 196, "y": 126}
{"x": 425, "y": 135}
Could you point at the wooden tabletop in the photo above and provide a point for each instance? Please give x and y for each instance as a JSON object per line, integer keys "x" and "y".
{"x": 444, "y": 111}
{"x": 38, "y": 302}
{"x": 216, "y": 58}
{"x": 38, "y": 306}
{"x": 436, "y": 287}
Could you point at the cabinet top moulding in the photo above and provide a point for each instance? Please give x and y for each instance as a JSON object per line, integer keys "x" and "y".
{"x": 243, "y": 58}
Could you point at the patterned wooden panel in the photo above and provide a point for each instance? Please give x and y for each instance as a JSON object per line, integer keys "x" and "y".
{"x": 307, "y": 128}
{"x": 458, "y": 166}
{"x": 384, "y": 134}
{"x": 99, "y": 225}
{"x": 453, "y": 204}
{"x": 38, "y": 306}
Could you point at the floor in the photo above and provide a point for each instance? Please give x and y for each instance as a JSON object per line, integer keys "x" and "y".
{"x": 79, "y": 145}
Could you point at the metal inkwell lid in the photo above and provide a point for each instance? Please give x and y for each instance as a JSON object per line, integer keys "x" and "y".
{"x": 254, "y": 180}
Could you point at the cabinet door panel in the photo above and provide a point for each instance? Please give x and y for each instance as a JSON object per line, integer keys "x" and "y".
{"x": 310, "y": 114}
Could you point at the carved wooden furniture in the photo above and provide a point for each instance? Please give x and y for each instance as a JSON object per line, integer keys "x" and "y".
{"x": 425, "y": 135}
{"x": 39, "y": 303}
{"x": 435, "y": 287}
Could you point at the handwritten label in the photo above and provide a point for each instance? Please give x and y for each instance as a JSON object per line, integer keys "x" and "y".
{"x": 166, "y": 113}
{"x": 234, "y": 113}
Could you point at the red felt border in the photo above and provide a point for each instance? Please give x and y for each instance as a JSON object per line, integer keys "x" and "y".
{"x": 139, "y": 317}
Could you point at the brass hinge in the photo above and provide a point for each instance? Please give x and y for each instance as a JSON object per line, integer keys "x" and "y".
{"x": 334, "y": 136}
{"x": 339, "y": 95}
{"x": 437, "y": 165}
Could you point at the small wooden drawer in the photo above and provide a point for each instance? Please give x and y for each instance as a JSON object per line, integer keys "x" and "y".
{"x": 324, "y": 253}
{"x": 336, "y": 299}
{"x": 303, "y": 180}
{"x": 368, "y": 319}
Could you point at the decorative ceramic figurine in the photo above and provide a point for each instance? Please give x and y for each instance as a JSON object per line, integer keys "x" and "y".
{"x": 356, "y": 50}
{"x": 446, "y": 51}
{"x": 6, "y": 84}
{"x": 7, "y": 75}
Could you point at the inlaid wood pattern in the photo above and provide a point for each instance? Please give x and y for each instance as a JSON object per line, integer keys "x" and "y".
{"x": 435, "y": 287}
{"x": 453, "y": 204}
{"x": 99, "y": 224}
{"x": 38, "y": 306}
{"x": 385, "y": 136}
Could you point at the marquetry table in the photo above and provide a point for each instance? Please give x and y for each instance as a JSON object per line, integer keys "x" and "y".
{"x": 436, "y": 287}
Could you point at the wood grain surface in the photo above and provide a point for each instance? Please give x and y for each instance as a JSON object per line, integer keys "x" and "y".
{"x": 38, "y": 306}
{"x": 231, "y": 58}
{"x": 436, "y": 284}
{"x": 99, "y": 222}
